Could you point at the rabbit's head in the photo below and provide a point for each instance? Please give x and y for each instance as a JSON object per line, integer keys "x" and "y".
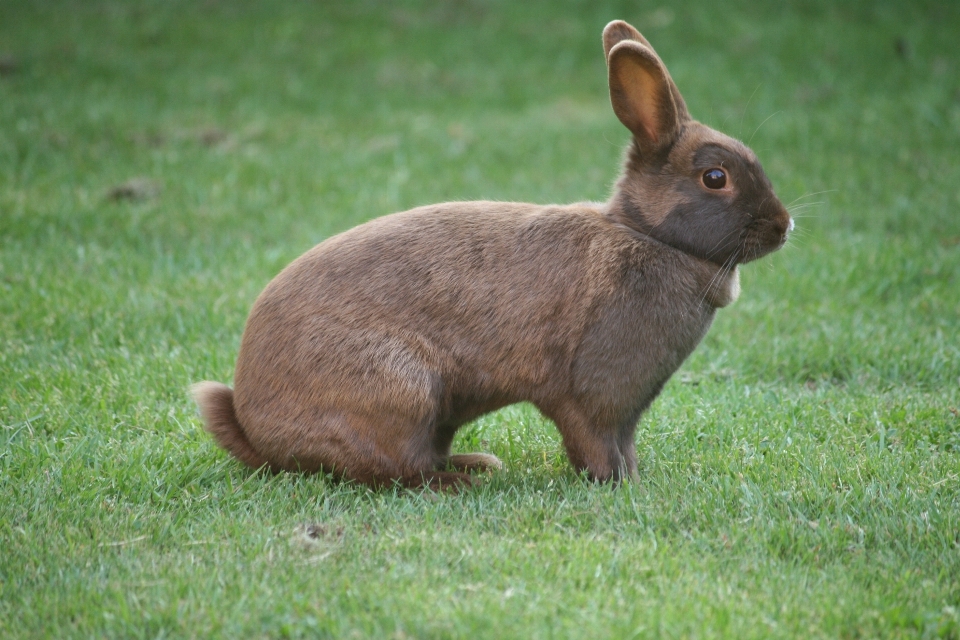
{"x": 685, "y": 184}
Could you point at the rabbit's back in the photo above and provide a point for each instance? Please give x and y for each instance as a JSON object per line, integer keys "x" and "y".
{"x": 478, "y": 290}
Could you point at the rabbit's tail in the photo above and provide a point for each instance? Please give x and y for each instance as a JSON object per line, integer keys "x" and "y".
{"x": 216, "y": 406}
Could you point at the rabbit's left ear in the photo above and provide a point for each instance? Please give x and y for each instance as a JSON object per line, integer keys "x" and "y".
{"x": 643, "y": 95}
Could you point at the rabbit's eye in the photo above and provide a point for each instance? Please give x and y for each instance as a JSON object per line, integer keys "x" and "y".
{"x": 714, "y": 179}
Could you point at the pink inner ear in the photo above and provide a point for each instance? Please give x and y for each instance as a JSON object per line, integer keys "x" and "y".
{"x": 641, "y": 113}
{"x": 649, "y": 112}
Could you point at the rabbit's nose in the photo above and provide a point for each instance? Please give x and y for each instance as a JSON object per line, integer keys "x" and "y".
{"x": 783, "y": 222}
{"x": 785, "y": 227}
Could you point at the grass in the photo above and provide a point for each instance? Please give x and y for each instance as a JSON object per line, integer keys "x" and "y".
{"x": 801, "y": 471}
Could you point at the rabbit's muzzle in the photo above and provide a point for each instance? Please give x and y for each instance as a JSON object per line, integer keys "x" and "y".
{"x": 767, "y": 232}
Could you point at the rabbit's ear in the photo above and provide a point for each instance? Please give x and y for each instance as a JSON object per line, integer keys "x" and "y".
{"x": 643, "y": 95}
{"x": 619, "y": 30}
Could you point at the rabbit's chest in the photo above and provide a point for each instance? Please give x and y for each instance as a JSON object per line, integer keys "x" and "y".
{"x": 636, "y": 343}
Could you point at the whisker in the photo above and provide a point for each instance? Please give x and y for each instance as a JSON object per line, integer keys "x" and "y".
{"x": 745, "y": 109}
{"x": 761, "y": 124}
{"x": 712, "y": 250}
{"x": 706, "y": 290}
{"x": 759, "y": 209}
{"x": 810, "y": 195}
{"x": 716, "y": 247}
{"x": 719, "y": 277}
{"x": 804, "y": 205}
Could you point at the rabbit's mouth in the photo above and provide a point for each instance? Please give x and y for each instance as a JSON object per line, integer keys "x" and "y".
{"x": 763, "y": 237}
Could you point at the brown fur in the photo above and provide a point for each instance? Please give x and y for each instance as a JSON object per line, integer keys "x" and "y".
{"x": 366, "y": 354}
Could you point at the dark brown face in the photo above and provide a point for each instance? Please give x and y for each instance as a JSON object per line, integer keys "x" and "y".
{"x": 715, "y": 200}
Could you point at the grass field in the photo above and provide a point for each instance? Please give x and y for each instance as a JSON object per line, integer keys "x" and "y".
{"x": 160, "y": 162}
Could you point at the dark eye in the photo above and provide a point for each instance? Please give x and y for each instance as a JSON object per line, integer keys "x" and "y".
{"x": 714, "y": 179}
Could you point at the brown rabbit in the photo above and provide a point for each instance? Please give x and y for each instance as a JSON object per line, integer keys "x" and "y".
{"x": 366, "y": 354}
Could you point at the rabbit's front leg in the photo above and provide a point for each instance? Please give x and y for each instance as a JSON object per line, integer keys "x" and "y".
{"x": 628, "y": 448}
{"x": 604, "y": 451}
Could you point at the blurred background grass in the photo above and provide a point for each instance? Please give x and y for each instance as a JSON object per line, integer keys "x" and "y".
{"x": 160, "y": 162}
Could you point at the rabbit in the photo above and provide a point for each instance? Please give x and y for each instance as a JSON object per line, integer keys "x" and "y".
{"x": 365, "y": 355}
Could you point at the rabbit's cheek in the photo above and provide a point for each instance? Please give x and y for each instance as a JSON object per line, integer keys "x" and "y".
{"x": 702, "y": 228}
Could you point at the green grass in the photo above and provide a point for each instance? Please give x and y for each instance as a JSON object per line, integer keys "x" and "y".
{"x": 801, "y": 472}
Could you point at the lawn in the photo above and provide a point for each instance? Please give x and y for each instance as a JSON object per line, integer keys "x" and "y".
{"x": 160, "y": 162}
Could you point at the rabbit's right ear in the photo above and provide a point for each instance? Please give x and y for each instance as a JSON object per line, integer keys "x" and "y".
{"x": 642, "y": 93}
